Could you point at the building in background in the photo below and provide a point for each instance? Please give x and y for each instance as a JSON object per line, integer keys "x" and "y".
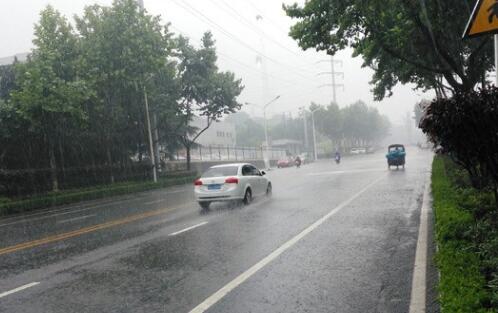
{"x": 220, "y": 133}
{"x": 290, "y": 146}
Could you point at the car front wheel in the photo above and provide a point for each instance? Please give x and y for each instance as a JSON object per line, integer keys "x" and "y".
{"x": 247, "y": 197}
{"x": 269, "y": 190}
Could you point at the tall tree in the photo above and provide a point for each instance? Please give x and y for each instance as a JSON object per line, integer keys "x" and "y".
{"x": 329, "y": 121}
{"x": 402, "y": 41}
{"x": 51, "y": 94}
{"x": 357, "y": 124}
{"x": 205, "y": 91}
{"x": 124, "y": 49}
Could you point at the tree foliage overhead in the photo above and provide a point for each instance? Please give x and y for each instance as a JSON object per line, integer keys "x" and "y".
{"x": 415, "y": 42}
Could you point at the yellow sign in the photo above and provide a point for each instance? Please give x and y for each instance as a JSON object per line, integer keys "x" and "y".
{"x": 484, "y": 19}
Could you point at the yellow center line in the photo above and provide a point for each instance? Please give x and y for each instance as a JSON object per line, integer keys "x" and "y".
{"x": 82, "y": 231}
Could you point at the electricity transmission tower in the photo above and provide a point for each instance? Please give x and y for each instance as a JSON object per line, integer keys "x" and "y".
{"x": 333, "y": 74}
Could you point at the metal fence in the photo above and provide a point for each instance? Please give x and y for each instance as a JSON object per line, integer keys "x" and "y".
{"x": 230, "y": 153}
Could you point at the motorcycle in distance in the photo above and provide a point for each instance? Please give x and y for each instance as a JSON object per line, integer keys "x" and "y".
{"x": 298, "y": 162}
{"x": 337, "y": 158}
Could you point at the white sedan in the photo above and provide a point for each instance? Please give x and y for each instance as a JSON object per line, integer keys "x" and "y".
{"x": 231, "y": 182}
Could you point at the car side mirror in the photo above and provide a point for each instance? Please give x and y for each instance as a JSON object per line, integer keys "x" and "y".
{"x": 263, "y": 173}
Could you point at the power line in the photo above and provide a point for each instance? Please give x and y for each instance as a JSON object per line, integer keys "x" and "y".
{"x": 275, "y": 25}
{"x": 255, "y": 28}
{"x": 199, "y": 15}
{"x": 255, "y": 70}
{"x": 226, "y": 56}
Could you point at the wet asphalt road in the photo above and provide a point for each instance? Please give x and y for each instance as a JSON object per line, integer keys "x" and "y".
{"x": 155, "y": 252}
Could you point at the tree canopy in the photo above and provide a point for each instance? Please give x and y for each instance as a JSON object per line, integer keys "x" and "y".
{"x": 353, "y": 125}
{"x": 73, "y": 114}
{"x": 415, "y": 42}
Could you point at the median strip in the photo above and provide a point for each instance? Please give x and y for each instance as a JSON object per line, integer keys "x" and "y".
{"x": 82, "y": 231}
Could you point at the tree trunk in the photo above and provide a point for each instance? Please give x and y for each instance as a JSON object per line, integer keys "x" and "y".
{"x": 109, "y": 162}
{"x": 62, "y": 163}
{"x": 53, "y": 168}
{"x": 188, "y": 157}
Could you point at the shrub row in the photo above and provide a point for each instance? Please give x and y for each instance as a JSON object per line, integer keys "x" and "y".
{"x": 25, "y": 182}
{"x": 71, "y": 196}
{"x": 465, "y": 284}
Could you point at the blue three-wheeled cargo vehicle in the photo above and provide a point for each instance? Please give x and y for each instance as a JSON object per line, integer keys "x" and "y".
{"x": 396, "y": 156}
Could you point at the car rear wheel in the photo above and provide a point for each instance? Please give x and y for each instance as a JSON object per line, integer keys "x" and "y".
{"x": 247, "y": 197}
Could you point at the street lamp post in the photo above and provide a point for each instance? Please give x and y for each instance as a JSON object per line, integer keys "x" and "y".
{"x": 314, "y": 136}
{"x": 304, "y": 111}
{"x": 266, "y": 159}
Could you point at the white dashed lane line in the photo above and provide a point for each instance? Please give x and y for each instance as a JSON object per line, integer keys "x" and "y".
{"x": 188, "y": 228}
{"x": 4, "y": 294}
{"x": 76, "y": 218}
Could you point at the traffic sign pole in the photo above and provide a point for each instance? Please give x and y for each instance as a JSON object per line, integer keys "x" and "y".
{"x": 496, "y": 60}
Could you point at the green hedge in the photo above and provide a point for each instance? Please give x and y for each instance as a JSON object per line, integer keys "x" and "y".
{"x": 71, "y": 196}
{"x": 462, "y": 286}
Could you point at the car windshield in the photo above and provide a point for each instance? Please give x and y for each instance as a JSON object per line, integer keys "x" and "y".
{"x": 221, "y": 171}
{"x": 397, "y": 148}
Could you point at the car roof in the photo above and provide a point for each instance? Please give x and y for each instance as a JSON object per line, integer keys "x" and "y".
{"x": 230, "y": 164}
{"x": 396, "y": 145}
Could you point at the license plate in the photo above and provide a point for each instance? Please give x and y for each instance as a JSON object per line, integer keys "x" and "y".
{"x": 214, "y": 187}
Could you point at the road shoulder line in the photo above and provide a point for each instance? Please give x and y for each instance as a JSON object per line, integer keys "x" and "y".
{"x": 419, "y": 279}
{"x": 218, "y": 295}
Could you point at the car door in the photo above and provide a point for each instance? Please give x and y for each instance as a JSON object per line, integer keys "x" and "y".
{"x": 247, "y": 177}
{"x": 259, "y": 180}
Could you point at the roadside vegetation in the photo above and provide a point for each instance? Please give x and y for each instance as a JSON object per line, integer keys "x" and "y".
{"x": 467, "y": 241}
{"x": 55, "y": 198}
{"x": 464, "y": 130}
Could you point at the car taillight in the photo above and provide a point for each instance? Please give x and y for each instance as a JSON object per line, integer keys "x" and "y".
{"x": 232, "y": 180}
{"x": 198, "y": 182}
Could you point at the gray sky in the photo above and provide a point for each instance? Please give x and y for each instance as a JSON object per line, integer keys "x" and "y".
{"x": 291, "y": 72}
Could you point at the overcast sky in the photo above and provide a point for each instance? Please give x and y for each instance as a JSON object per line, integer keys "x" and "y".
{"x": 290, "y": 72}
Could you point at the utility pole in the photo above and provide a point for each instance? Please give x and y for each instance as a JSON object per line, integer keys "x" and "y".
{"x": 151, "y": 145}
{"x": 303, "y": 113}
{"x": 156, "y": 142}
{"x": 149, "y": 129}
{"x": 333, "y": 73}
{"x": 314, "y": 135}
{"x": 496, "y": 59}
